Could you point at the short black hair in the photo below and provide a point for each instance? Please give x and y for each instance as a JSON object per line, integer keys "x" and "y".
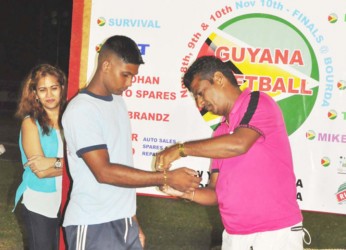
{"x": 205, "y": 67}
{"x": 124, "y": 47}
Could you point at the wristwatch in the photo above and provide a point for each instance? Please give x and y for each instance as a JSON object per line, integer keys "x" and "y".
{"x": 58, "y": 163}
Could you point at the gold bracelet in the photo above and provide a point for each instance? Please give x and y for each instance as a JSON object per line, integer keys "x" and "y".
{"x": 165, "y": 177}
{"x": 181, "y": 150}
{"x": 193, "y": 195}
{"x": 190, "y": 200}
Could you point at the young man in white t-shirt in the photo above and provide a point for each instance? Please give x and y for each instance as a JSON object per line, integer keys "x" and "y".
{"x": 102, "y": 206}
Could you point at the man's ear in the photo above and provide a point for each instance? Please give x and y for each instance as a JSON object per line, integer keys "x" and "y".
{"x": 105, "y": 66}
{"x": 218, "y": 77}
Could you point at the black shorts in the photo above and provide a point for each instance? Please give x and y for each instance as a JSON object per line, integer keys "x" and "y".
{"x": 122, "y": 234}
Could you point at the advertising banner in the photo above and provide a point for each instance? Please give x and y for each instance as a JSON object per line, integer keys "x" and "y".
{"x": 293, "y": 50}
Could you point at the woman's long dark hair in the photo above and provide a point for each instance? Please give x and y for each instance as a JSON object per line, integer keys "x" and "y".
{"x": 29, "y": 106}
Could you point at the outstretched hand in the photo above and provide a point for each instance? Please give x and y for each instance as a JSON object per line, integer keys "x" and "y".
{"x": 183, "y": 179}
{"x": 171, "y": 191}
{"x": 164, "y": 158}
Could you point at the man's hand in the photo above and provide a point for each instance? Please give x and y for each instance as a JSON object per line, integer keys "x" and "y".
{"x": 183, "y": 179}
{"x": 141, "y": 236}
{"x": 166, "y": 157}
{"x": 171, "y": 191}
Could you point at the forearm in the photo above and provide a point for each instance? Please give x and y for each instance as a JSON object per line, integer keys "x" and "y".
{"x": 224, "y": 146}
{"x": 50, "y": 172}
{"x": 119, "y": 175}
{"x": 218, "y": 147}
{"x": 39, "y": 163}
{"x": 203, "y": 196}
{"x": 182, "y": 179}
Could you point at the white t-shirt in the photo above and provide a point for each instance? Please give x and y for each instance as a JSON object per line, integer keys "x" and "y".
{"x": 93, "y": 122}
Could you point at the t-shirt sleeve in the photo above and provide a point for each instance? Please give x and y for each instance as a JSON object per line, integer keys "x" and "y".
{"x": 262, "y": 115}
{"x": 215, "y": 163}
{"x": 221, "y": 130}
{"x": 82, "y": 128}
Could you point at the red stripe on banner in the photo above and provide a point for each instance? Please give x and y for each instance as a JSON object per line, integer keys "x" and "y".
{"x": 72, "y": 89}
{"x": 75, "y": 48}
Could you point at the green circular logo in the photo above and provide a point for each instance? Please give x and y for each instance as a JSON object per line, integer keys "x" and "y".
{"x": 341, "y": 85}
{"x": 332, "y": 114}
{"x": 272, "y": 56}
{"x": 101, "y": 21}
{"x": 325, "y": 161}
{"x": 333, "y": 18}
{"x": 310, "y": 135}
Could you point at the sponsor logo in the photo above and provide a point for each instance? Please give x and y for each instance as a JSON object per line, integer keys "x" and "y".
{"x": 287, "y": 71}
{"x": 310, "y": 135}
{"x": 332, "y": 114}
{"x": 341, "y": 85}
{"x": 101, "y": 21}
{"x": 333, "y": 18}
{"x": 128, "y": 23}
{"x": 141, "y": 46}
{"x": 325, "y": 161}
{"x": 342, "y": 165}
{"x": 341, "y": 194}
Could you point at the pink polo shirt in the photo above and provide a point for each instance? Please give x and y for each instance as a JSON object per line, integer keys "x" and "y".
{"x": 256, "y": 191}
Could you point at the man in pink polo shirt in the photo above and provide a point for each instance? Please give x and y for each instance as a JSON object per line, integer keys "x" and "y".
{"x": 252, "y": 178}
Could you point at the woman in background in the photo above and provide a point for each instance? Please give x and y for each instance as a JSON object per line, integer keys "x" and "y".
{"x": 41, "y": 145}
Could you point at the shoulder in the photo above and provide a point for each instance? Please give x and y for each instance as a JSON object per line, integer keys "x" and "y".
{"x": 81, "y": 110}
{"x": 256, "y": 100}
{"x": 267, "y": 102}
{"x": 82, "y": 101}
{"x": 266, "y": 97}
{"x": 29, "y": 123}
{"x": 29, "y": 127}
{"x": 79, "y": 104}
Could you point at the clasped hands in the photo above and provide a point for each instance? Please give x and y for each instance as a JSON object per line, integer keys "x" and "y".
{"x": 180, "y": 182}
{"x": 38, "y": 163}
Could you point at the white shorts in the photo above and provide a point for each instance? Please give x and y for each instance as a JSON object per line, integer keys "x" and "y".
{"x": 290, "y": 238}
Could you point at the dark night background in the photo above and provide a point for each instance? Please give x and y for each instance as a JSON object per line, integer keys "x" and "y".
{"x": 32, "y": 32}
